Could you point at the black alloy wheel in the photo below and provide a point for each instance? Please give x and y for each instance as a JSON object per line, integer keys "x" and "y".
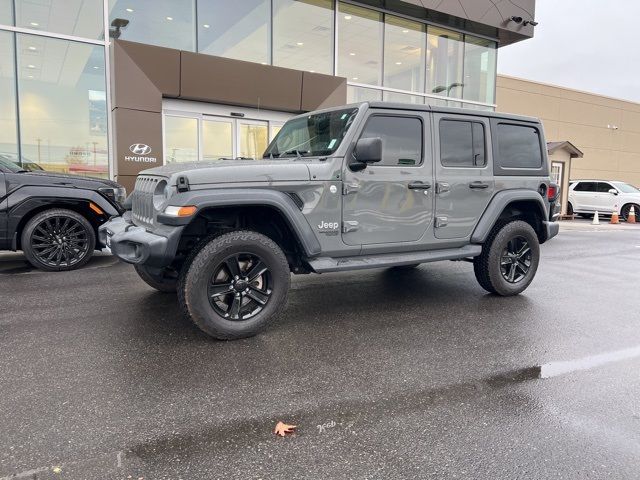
{"x": 240, "y": 287}
{"x": 516, "y": 260}
{"x": 58, "y": 239}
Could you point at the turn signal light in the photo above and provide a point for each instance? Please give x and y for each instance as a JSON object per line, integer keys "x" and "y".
{"x": 180, "y": 211}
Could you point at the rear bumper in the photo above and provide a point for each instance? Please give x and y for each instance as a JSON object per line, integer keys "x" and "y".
{"x": 134, "y": 244}
{"x": 551, "y": 229}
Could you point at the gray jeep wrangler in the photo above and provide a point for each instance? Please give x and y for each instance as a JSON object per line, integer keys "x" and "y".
{"x": 361, "y": 186}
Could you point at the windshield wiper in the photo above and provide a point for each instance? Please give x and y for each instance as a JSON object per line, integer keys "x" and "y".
{"x": 297, "y": 152}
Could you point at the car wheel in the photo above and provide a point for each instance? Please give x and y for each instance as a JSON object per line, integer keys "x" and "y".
{"x": 509, "y": 259}
{"x": 235, "y": 285}
{"x": 58, "y": 240}
{"x": 165, "y": 282}
{"x": 569, "y": 209}
{"x": 627, "y": 209}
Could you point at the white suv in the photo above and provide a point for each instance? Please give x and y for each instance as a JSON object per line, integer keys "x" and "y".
{"x": 587, "y": 196}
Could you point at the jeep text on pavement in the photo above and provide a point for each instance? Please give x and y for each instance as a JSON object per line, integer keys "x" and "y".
{"x": 362, "y": 186}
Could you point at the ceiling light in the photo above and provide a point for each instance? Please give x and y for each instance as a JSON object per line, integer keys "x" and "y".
{"x": 34, "y": 24}
{"x": 312, "y": 71}
{"x": 206, "y": 25}
{"x": 129, "y": 10}
{"x": 31, "y": 66}
{"x": 405, "y": 31}
{"x": 264, "y": 63}
{"x": 354, "y": 78}
{"x": 352, "y": 54}
{"x": 33, "y": 49}
{"x": 29, "y": 76}
{"x": 398, "y": 63}
{"x": 300, "y": 44}
{"x": 347, "y": 17}
{"x": 169, "y": 18}
{"x": 96, "y": 68}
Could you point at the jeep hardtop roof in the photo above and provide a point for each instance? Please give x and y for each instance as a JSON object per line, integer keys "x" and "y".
{"x": 433, "y": 108}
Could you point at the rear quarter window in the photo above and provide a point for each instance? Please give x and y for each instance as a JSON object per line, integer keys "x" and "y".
{"x": 519, "y": 148}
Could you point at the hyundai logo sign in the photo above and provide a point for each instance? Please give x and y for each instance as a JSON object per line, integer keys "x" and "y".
{"x": 140, "y": 149}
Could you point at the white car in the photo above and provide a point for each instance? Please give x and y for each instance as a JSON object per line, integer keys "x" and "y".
{"x": 587, "y": 196}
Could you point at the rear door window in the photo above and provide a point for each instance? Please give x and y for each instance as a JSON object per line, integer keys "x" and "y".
{"x": 462, "y": 144}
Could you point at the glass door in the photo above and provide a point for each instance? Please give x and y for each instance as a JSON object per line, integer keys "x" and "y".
{"x": 217, "y": 138}
{"x": 253, "y": 138}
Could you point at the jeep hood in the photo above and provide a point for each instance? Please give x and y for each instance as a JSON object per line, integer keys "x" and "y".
{"x": 234, "y": 171}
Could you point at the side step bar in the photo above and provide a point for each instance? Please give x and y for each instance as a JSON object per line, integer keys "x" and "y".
{"x": 329, "y": 264}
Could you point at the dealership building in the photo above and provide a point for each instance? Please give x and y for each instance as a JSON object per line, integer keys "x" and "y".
{"x": 110, "y": 87}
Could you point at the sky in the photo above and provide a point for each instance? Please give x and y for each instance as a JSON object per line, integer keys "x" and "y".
{"x": 590, "y": 45}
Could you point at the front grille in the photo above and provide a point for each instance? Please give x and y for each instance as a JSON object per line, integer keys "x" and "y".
{"x": 142, "y": 208}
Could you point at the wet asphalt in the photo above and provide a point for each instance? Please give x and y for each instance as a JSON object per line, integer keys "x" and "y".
{"x": 387, "y": 375}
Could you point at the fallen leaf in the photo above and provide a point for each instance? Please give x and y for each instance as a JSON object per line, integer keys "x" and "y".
{"x": 57, "y": 470}
{"x": 282, "y": 429}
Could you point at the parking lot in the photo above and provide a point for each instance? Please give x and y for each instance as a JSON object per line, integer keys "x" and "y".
{"x": 415, "y": 374}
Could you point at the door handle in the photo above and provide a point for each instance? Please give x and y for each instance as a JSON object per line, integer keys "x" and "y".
{"x": 478, "y": 185}
{"x": 419, "y": 186}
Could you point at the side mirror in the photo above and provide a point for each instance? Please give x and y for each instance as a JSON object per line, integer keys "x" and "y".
{"x": 613, "y": 191}
{"x": 368, "y": 150}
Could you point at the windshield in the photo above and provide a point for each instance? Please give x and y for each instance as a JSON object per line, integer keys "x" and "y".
{"x": 9, "y": 165}
{"x": 314, "y": 135}
{"x": 625, "y": 187}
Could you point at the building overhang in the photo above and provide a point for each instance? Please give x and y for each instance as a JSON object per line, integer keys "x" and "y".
{"x": 487, "y": 18}
{"x": 570, "y": 148}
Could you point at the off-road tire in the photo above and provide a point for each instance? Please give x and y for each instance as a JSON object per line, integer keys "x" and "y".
{"x": 487, "y": 266}
{"x": 195, "y": 278}
{"x": 38, "y": 221}
{"x": 162, "y": 283}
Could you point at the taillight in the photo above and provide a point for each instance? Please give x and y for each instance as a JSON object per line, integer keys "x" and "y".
{"x": 552, "y": 192}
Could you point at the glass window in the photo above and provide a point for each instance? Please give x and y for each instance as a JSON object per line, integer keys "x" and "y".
{"x": 519, "y": 146}
{"x": 604, "y": 187}
{"x": 312, "y": 135}
{"x": 479, "y": 70}
{"x": 217, "y": 139}
{"x": 239, "y": 30}
{"x": 462, "y": 144}
{"x": 401, "y": 139}
{"x": 8, "y": 125}
{"x": 444, "y": 62}
{"x": 402, "y": 98}
{"x": 404, "y": 55}
{"x": 626, "y": 188}
{"x": 180, "y": 139}
{"x": 6, "y": 12}
{"x": 360, "y": 44}
{"x": 167, "y": 23}
{"x": 63, "y": 108}
{"x": 80, "y": 18}
{"x": 254, "y": 139}
{"x": 303, "y": 35}
{"x": 360, "y": 94}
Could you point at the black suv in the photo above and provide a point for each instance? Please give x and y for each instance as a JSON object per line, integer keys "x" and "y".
{"x": 54, "y": 218}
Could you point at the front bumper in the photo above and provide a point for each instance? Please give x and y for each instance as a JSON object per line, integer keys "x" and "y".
{"x": 551, "y": 229}
{"x": 134, "y": 244}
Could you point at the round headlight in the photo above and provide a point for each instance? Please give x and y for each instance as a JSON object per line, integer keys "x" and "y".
{"x": 160, "y": 194}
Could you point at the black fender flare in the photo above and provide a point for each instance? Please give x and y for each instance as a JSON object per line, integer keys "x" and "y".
{"x": 497, "y": 205}
{"x": 26, "y": 199}
{"x": 246, "y": 197}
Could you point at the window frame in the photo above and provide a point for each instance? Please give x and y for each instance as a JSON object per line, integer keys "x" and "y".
{"x": 397, "y": 115}
{"x": 471, "y": 121}
{"x": 499, "y": 169}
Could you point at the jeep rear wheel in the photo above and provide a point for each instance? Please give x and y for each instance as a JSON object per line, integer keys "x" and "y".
{"x": 509, "y": 259}
{"x": 235, "y": 285}
{"x": 164, "y": 281}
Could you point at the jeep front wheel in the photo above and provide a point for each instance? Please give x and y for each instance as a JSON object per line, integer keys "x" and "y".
{"x": 509, "y": 259}
{"x": 235, "y": 285}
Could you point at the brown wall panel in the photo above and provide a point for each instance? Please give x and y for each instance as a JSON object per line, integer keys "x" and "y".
{"x": 160, "y": 65}
{"x": 322, "y": 91}
{"x": 137, "y": 127}
{"x": 130, "y": 86}
{"x": 222, "y": 80}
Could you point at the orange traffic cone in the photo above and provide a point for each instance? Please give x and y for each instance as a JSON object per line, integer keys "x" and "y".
{"x": 631, "y": 218}
{"x": 615, "y": 219}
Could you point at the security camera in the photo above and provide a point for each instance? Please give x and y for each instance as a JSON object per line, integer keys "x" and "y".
{"x": 530, "y": 22}
{"x": 518, "y": 20}
{"x": 116, "y": 27}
